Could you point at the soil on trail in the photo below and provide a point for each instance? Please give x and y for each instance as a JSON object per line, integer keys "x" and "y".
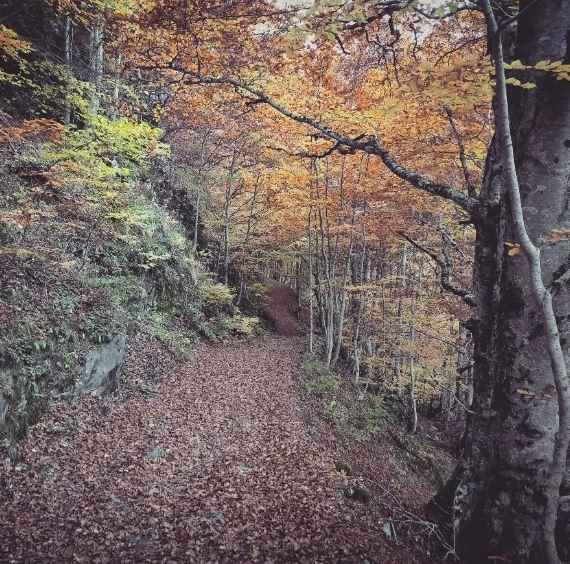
{"x": 216, "y": 466}
{"x": 280, "y": 309}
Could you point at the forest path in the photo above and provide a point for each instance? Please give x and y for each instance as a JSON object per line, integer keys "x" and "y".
{"x": 217, "y": 466}
{"x": 280, "y": 309}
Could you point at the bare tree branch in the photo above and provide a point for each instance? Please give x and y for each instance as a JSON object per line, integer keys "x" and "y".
{"x": 366, "y": 143}
{"x": 340, "y": 44}
{"x": 445, "y": 268}
{"x": 464, "y": 44}
{"x": 468, "y": 183}
{"x": 306, "y": 154}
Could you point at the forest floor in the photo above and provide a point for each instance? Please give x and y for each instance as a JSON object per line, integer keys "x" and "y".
{"x": 210, "y": 460}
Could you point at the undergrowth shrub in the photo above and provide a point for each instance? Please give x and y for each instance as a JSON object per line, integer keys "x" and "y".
{"x": 30, "y": 83}
{"x": 333, "y": 411}
{"x": 354, "y": 415}
{"x": 180, "y": 341}
{"x": 238, "y": 325}
{"x": 372, "y": 414}
{"x": 255, "y": 298}
{"x": 319, "y": 379}
{"x": 218, "y": 298}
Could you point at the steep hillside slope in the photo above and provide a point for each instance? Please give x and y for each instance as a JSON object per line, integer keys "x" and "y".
{"x": 89, "y": 259}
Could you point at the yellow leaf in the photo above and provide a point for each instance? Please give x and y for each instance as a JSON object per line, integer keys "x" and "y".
{"x": 514, "y": 249}
{"x": 516, "y": 65}
{"x": 542, "y": 65}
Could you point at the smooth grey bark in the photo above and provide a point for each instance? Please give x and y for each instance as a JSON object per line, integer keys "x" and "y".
{"x": 325, "y": 269}
{"x": 248, "y": 234}
{"x": 502, "y": 489}
{"x": 310, "y": 284}
{"x": 96, "y": 57}
{"x": 412, "y": 364}
{"x": 196, "y": 220}
{"x": 343, "y": 297}
{"x": 360, "y": 307}
{"x": 68, "y": 58}
{"x": 542, "y": 295}
{"x": 229, "y": 194}
{"x": 116, "y": 86}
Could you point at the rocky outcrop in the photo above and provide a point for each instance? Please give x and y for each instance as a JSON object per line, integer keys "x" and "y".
{"x": 103, "y": 366}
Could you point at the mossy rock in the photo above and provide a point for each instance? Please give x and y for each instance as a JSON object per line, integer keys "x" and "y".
{"x": 358, "y": 493}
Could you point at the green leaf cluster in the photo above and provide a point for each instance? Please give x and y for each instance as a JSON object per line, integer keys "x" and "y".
{"x": 559, "y": 69}
{"x": 105, "y": 153}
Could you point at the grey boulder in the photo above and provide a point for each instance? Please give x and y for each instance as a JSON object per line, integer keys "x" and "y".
{"x": 102, "y": 367}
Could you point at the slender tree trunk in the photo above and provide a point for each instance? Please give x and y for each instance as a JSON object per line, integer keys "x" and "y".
{"x": 226, "y": 265}
{"x": 343, "y": 293}
{"x": 361, "y": 307}
{"x": 402, "y": 267}
{"x": 96, "y": 55}
{"x": 116, "y": 84}
{"x": 413, "y": 393}
{"x": 229, "y": 193}
{"x": 413, "y": 396}
{"x": 68, "y": 56}
{"x": 196, "y": 219}
{"x": 310, "y": 284}
{"x": 356, "y": 342}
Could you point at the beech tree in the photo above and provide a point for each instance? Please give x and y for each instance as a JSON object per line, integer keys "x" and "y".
{"x": 507, "y": 487}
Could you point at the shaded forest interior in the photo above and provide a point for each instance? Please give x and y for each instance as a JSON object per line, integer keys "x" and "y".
{"x": 333, "y": 231}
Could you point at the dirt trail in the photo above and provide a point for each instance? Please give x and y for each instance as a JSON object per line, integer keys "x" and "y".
{"x": 280, "y": 309}
{"x": 217, "y": 466}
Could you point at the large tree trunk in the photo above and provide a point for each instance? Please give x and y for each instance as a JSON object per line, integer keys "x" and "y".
{"x": 499, "y": 490}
